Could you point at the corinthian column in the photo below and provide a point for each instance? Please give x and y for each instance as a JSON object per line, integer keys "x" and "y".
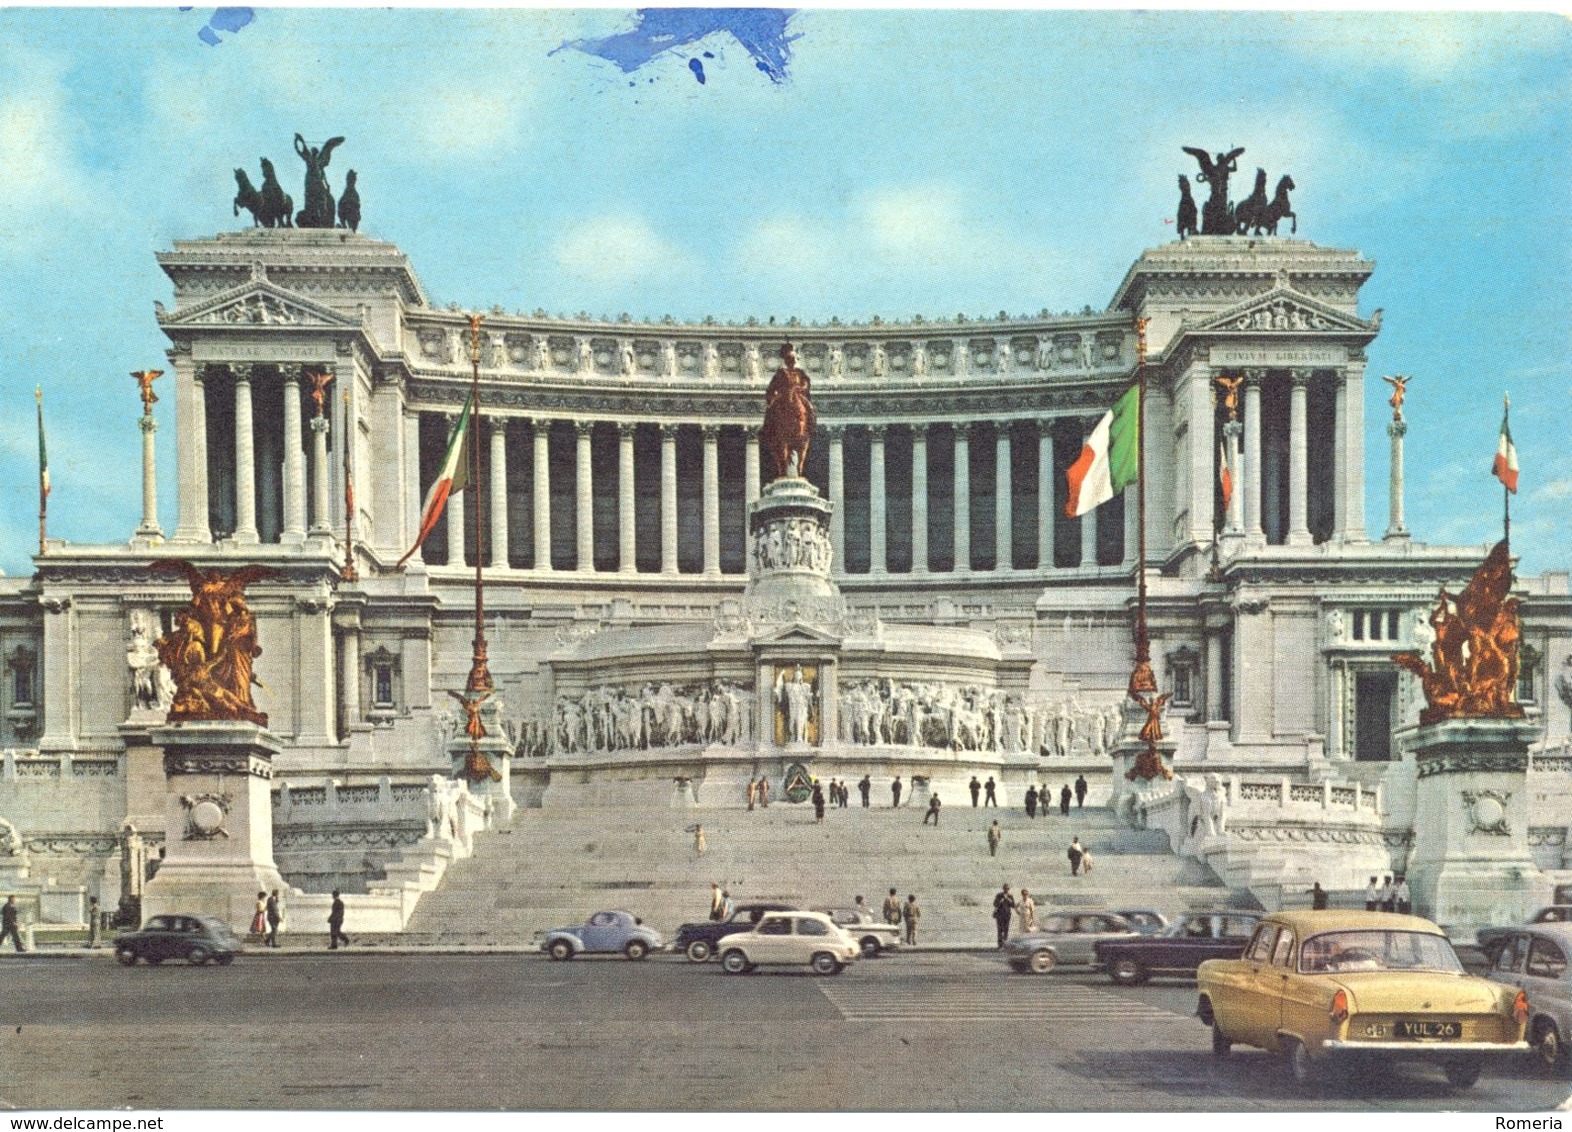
{"x": 191, "y": 453}
{"x": 626, "y": 509}
{"x": 1045, "y": 515}
{"x": 1252, "y": 462}
{"x": 1394, "y": 527}
{"x": 750, "y": 468}
{"x": 321, "y": 520}
{"x": 245, "y": 461}
{"x": 962, "y": 473}
{"x": 585, "y": 490}
{"x": 711, "y": 434}
{"x": 1354, "y": 451}
{"x": 920, "y": 497}
{"x": 878, "y": 558}
{"x": 295, "y": 464}
{"x": 1003, "y": 514}
{"x": 837, "y": 435}
{"x": 499, "y": 492}
{"x": 1299, "y": 458}
{"x": 413, "y": 502}
{"x": 454, "y": 505}
{"x": 668, "y": 499}
{"x": 149, "y": 528}
{"x": 540, "y": 453}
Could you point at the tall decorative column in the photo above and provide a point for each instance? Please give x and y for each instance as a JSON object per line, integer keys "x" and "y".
{"x": 455, "y": 510}
{"x": 1252, "y": 460}
{"x": 295, "y": 465}
{"x": 962, "y": 471}
{"x": 1354, "y": 450}
{"x": 1394, "y": 527}
{"x": 412, "y": 498}
{"x": 1299, "y": 458}
{"x": 837, "y": 435}
{"x": 711, "y": 435}
{"x": 1003, "y": 513}
{"x": 1202, "y": 446}
{"x": 349, "y": 653}
{"x": 750, "y": 468}
{"x": 1088, "y": 523}
{"x": 1045, "y": 494}
{"x": 149, "y": 528}
{"x": 540, "y": 455}
{"x": 920, "y": 497}
{"x": 499, "y": 492}
{"x": 191, "y": 463}
{"x": 627, "y": 510}
{"x": 878, "y": 557}
{"x": 321, "y": 516}
{"x": 1214, "y": 676}
{"x": 245, "y": 460}
{"x": 584, "y": 486}
{"x": 668, "y": 499}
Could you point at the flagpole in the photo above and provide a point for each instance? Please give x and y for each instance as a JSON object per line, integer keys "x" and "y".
{"x": 349, "y": 572}
{"x": 43, "y": 475}
{"x": 1506, "y": 491}
{"x": 480, "y": 671}
{"x": 1141, "y": 678}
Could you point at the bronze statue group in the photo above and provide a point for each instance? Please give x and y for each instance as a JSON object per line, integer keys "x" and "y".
{"x": 271, "y": 207}
{"x": 1256, "y": 215}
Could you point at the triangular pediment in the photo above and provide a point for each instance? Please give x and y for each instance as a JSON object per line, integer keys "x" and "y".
{"x": 258, "y": 302}
{"x": 797, "y": 634}
{"x": 1282, "y": 310}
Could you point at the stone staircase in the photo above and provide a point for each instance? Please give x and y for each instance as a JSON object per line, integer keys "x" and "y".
{"x": 552, "y": 867}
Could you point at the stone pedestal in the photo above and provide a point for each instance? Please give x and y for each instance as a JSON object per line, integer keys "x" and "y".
{"x": 498, "y": 751}
{"x": 218, "y": 821}
{"x": 1470, "y": 864}
{"x": 145, "y": 782}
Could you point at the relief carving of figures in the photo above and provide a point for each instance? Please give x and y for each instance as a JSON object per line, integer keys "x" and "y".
{"x": 796, "y": 543}
{"x": 836, "y": 361}
{"x": 668, "y": 355}
{"x": 11, "y": 844}
{"x": 711, "y": 360}
{"x": 212, "y": 649}
{"x": 542, "y": 353}
{"x": 1210, "y": 805}
{"x": 1473, "y": 668}
{"x": 1069, "y": 728}
{"x": 794, "y": 696}
{"x": 884, "y": 712}
{"x": 586, "y": 356}
{"x": 627, "y": 359}
{"x": 611, "y": 718}
{"x": 1045, "y": 353}
{"x": 878, "y": 360}
{"x": 152, "y": 687}
{"x": 919, "y": 360}
{"x": 751, "y": 361}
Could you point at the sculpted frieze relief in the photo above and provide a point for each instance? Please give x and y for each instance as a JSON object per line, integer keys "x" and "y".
{"x": 178, "y": 763}
{"x": 611, "y": 718}
{"x": 1467, "y": 762}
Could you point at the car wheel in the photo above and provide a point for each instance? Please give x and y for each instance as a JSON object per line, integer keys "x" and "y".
{"x": 198, "y": 956}
{"x": 1220, "y": 1043}
{"x": 223, "y": 960}
{"x": 1549, "y": 1048}
{"x": 126, "y": 956}
{"x": 699, "y": 951}
{"x": 1304, "y": 1070}
{"x": 1043, "y": 961}
{"x": 561, "y": 949}
{"x": 1463, "y": 1074}
{"x": 735, "y": 963}
{"x": 636, "y": 949}
{"x": 1019, "y": 967}
{"x": 1126, "y": 972}
{"x": 825, "y": 964}
{"x": 870, "y": 946}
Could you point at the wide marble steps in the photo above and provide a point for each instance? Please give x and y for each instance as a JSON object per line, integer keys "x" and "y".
{"x": 552, "y": 867}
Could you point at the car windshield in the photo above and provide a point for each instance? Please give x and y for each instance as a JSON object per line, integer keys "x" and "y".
{"x": 1378, "y": 950}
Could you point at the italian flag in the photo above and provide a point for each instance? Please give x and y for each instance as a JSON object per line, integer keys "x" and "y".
{"x": 1111, "y": 459}
{"x": 1225, "y": 475}
{"x": 43, "y": 454}
{"x": 452, "y": 477}
{"x": 1505, "y": 467}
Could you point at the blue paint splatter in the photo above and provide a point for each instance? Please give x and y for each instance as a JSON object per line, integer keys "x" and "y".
{"x": 698, "y": 70}
{"x": 760, "y": 31}
{"x": 228, "y": 20}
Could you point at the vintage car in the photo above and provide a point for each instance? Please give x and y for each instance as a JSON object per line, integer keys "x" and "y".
{"x": 1326, "y": 987}
{"x": 698, "y": 941}
{"x": 1147, "y": 921}
{"x": 1065, "y": 939}
{"x": 1182, "y": 947}
{"x": 790, "y": 939}
{"x": 604, "y": 933}
{"x": 870, "y": 932}
{"x": 1535, "y": 959}
{"x": 1489, "y": 939}
{"x": 196, "y": 939}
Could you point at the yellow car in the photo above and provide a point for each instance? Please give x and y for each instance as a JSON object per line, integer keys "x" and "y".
{"x": 1325, "y": 987}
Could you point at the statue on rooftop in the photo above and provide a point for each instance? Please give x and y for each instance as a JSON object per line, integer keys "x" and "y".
{"x": 788, "y": 417}
{"x": 1217, "y": 215}
{"x": 319, "y": 209}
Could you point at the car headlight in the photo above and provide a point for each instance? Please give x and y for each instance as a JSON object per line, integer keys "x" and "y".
{"x": 1520, "y": 1008}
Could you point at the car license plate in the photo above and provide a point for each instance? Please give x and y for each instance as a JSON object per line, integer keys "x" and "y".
{"x": 1429, "y": 1029}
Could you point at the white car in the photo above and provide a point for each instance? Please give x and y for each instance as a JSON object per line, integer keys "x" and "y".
{"x": 873, "y": 935}
{"x": 790, "y": 939}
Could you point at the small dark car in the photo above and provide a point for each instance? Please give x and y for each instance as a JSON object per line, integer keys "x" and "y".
{"x": 698, "y": 941}
{"x": 1180, "y": 949}
{"x": 196, "y": 939}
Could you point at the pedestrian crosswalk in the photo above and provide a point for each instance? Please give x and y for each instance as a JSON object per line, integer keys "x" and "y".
{"x": 1002, "y": 998}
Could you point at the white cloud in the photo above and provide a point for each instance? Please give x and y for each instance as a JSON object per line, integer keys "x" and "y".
{"x": 618, "y": 249}
{"x": 41, "y": 179}
{"x": 468, "y": 122}
{"x": 917, "y": 223}
{"x": 786, "y": 248}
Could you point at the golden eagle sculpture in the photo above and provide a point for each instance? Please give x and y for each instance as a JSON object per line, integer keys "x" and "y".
{"x": 213, "y": 646}
{"x": 1473, "y": 667}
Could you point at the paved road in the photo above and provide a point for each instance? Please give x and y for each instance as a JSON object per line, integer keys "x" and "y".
{"x": 471, "y": 1032}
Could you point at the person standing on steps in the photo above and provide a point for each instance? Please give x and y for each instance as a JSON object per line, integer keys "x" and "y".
{"x": 1003, "y": 909}
{"x": 275, "y": 918}
{"x": 988, "y": 789}
{"x": 1031, "y": 801}
{"x": 995, "y": 835}
{"x": 933, "y": 810}
{"x": 1075, "y": 853}
{"x": 1080, "y": 791}
{"x": 818, "y": 801}
{"x": 764, "y": 792}
{"x": 336, "y": 923}
{"x": 910, "y": 914}
{"x": 1064, "y": 800}
{"x": 892, "y": 909}
{"x": 976, "y": 788}
{"x": 865, "y": 788}
{"x": 895, "y": 793}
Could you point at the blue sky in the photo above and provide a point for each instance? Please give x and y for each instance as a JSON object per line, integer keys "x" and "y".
{"x": 909, "y": 162}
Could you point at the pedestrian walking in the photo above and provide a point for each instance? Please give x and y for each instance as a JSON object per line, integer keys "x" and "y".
{"x": 910, "y": 914}
{"x": 1086, "y": 860}
{"x": 976, "y": 788}
{"x": 11, "y": 923}
{"x": 717, "y": 901}
{"x": 727, "y": 907}
{"x": 700, "y": 845}
{"x": 933, "y": 810}
{"x": 988, "y": 796}
{"x": 1064, "y": 800}
{"x": 764, "y": 792}
{"x": 95, "y": 926}
{"x": 818, "y": 801}
{"x": 336, "y": 923}
{"x": 865, "y": 787}
{"x": 1003, "y": 909}
{"x": 1080, "y": 791}
{"x": 1075, "y": 853}
{"x": 753, "y": 794}
{"x": 1031, "y": 801}
{"x": 895, "y": 793}
{"x": 1405, "y": 903}
{"x": 892, "y": 909}
{"x": 845, "y": 795}
{"x": 275, "y": 917}
{"x": 259, "y": 917}
{"x": 1373, "y": 895}
{"x": 1026, "y": 911}
{"x": 995, "y": 835}
{"x": 1317, "y": 897}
